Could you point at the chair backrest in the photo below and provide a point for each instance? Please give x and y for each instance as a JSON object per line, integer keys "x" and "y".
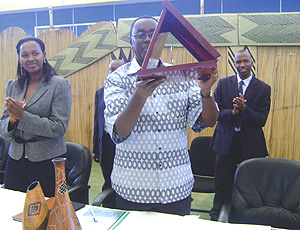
{"x": 203, "y": 159}
{"x": 78, "y": 169}
{"x": 4, "y": 147}
{"x": 267, "y": 191}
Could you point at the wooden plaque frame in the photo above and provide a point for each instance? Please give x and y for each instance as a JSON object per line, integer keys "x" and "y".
{"x": 171, "y": 21}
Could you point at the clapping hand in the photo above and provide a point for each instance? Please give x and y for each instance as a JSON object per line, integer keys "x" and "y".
{"x": 239, "y": 104}
{"x": 14, "y": 109}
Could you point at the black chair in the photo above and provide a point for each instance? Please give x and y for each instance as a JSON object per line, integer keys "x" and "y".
{"x": 203, "y": 161}
{"x": 98, "y": 200}
{"x": 4, "y": 147}
{"x": 266, "y": 191}
{"x": 78, "y": 170}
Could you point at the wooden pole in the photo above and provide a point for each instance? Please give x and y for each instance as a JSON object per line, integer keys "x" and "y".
{"x": 51, "y": 18}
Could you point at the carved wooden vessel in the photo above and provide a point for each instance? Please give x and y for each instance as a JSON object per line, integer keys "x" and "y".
{"x": 62, "y": 215}
{"x": 35, "y": 212}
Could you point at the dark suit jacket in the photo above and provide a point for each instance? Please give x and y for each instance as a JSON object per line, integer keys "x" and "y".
{"x": 253, "y": 118}
{"x": 101, "y": 139}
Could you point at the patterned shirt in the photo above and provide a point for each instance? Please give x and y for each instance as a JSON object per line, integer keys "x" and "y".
{"x": 152, "y": 164}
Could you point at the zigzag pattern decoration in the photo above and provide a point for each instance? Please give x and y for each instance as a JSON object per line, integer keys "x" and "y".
{"x": 85, "y": 51}
{"x": 269, "y": 29}
{"x": 120, "y": 53}
{"x": 260, "y": 29}
{"x": 220, "y": 30}
{"x": 217, "y": 30}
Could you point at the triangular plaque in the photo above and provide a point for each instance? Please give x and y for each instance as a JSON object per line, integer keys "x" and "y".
{"x": 171, "y": 21}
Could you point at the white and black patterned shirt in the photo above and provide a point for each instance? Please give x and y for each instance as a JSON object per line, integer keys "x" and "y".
{"x": 152, "y": 164}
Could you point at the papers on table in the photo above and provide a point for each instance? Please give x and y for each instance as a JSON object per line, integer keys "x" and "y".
{"x": 91, "y": 217}
{"x": 159, "y": 221}
{"x": 121, "y": 220}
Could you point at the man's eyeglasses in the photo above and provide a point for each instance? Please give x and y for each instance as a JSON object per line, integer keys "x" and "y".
{"x": 142, "y": 35}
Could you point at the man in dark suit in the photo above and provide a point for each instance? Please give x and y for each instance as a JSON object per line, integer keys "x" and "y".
{"x": 244, "y": 103}
{"x": 101, "y": 140}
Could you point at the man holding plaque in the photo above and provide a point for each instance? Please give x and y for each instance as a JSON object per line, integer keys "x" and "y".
{"x": 244, "y": 103}
{"x": 147, "y": 121}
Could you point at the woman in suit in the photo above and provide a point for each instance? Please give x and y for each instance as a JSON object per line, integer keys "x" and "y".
{"x": 35, "y": 117}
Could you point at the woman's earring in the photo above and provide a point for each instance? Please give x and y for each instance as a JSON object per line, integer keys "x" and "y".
{"x": 22, "y": 70}
{"x": 44, "y": 61}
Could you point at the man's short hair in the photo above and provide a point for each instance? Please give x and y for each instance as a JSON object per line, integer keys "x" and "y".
{"x": 110, "y": 69}
{"x": 244, "y": 51}
{"x": 117, "y": 59}
{"x": 142, "y": 17}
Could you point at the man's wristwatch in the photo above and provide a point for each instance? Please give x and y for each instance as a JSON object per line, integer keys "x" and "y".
{"x": 206, "y": 96}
